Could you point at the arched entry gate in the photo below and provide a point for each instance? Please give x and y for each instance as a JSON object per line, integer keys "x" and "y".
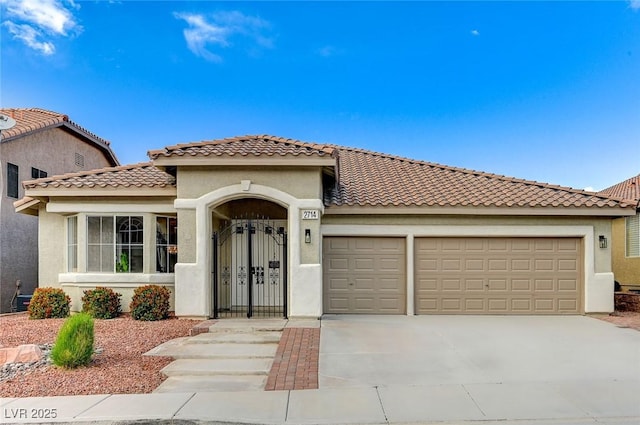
{"x": 250, "y": 269}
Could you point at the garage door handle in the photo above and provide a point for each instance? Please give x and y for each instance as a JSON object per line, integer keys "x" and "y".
{"x": 350, "y": 283}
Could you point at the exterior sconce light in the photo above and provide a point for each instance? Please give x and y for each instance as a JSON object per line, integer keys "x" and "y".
{"x": 603, "y": 241}
{"x": 307, "y": 235}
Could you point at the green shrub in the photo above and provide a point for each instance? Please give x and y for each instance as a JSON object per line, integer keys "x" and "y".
{"x": 74, "y": 344}
{"x": 49, "y": 303}
{"x": 101, "y": 303}
{"x": 150, "y": 302}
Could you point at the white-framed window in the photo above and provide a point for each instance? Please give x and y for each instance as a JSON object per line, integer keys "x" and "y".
{"x": 166, "y": 244}
{"x": 72, "y": 244}
{"x": 632, "y": 230}
{"x": 115, "y": 243}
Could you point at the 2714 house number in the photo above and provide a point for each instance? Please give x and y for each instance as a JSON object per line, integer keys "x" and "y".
{"x": 310, "y": 214}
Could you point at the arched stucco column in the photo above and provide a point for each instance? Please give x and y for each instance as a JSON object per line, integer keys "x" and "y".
{"x": 193, "y": 286}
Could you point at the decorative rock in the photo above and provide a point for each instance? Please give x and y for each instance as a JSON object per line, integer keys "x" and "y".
{"x": 21, "y": 354}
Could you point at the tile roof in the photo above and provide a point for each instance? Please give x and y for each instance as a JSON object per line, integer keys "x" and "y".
{"x": 143, "y": 175}
{"x": 29, "y": 120}
{"x": 628, "y": 189}
{"x": 373, "y": 179}
{"x": 364, "y": 178}
{"x": 247, "y": 146}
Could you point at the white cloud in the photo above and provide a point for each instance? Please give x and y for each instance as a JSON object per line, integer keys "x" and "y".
{"x": 475, "y": 33}
{"x": 634, "y": 4}
{"x": 30, "y": 37}
{"x": 589, "y": 189}
{"x": 36, "y": 22}
{"x": 217, "y": 30}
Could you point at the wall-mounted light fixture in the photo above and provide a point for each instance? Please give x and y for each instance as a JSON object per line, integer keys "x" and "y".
{"x": 307, "y": 235}
{"x": 602, "y": 239}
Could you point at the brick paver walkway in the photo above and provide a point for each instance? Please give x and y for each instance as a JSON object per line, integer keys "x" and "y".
{"x": 295, "y": 366}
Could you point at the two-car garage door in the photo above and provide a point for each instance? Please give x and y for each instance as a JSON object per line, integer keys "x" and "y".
{"x": 454, "y": 275}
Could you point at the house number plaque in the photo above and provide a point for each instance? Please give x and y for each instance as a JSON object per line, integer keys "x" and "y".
{"x": 310, "y": 215}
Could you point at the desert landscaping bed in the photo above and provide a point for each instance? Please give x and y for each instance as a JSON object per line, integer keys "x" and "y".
{"x": 118, "y": 368}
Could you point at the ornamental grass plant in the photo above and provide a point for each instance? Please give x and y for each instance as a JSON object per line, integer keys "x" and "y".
{"x": 74, "y": 345}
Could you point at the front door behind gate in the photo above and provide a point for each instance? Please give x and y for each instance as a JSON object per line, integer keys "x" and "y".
{"x": 250, "y": 269}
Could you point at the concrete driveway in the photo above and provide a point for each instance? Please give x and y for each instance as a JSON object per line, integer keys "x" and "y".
{"x": 434, "y": 350}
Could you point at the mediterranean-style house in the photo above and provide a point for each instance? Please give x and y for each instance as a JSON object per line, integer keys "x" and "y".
{"x": 262, "y": 225}
{"x": 625, "y": 248}
{"x": 42, "y": 143}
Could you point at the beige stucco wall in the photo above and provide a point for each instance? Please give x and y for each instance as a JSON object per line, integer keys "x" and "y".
{"x": 625, "y": 269}
{"x": 303, "y": 183}
{"x": 52, "y": 240}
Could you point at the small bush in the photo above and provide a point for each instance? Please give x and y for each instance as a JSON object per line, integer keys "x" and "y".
{"x": 101, "y": 303}
{"x": 49, "y": 303}
{"x": 74, "y": 344}
{"x": 150, "y": 302}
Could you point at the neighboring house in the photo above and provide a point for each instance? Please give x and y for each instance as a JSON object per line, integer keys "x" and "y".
{"x": 261, "y": 225}
{"x": 41, "y": 144}
{"x": 625, "y": 248}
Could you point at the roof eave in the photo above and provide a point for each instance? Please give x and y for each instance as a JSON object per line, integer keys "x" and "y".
{"x": 477, "y": 210}
{"x": 99, "y": 191}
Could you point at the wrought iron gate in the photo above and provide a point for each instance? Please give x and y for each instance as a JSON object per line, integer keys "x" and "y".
{"x": 250, "y": 269}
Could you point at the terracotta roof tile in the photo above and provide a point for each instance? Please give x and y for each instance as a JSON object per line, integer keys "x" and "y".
{"x": 29, "y": 120}
{"x": 256, "y": 146}
{"x": 373, "y": 179}
{"x": 628, "y": 189}
{"x": 143, "y": 175}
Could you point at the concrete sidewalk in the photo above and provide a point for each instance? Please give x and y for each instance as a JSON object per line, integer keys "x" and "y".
{"x": 576, "y": 403}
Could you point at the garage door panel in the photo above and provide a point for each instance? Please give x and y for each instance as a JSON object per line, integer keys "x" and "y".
{"x": 374, "y": 270}
{"x": 507, "y": 276}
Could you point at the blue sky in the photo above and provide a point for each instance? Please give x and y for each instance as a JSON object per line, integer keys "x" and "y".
{"x": 546, "y": 91}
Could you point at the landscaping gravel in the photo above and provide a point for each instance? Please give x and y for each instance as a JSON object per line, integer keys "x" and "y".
{"x": 118, "y": 367}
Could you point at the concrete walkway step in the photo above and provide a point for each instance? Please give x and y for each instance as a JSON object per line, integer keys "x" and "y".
{"x": 248, "y": 325}
{"x": 218, "y": 351}
{"x": 209, "y": 367}
{"x": 192, "y": 384}
{"x": 264, "y": 337}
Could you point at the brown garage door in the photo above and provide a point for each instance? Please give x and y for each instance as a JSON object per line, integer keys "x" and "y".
{"x": 498, "y": 276}
{"x": 364, "y": 275}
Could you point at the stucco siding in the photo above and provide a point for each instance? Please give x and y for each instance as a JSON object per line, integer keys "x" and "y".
{"x": 302, "y": 183}
{"x": 625, "y": 269}
{"x": 52, "y": 253}
{"x": 52, "y": 151}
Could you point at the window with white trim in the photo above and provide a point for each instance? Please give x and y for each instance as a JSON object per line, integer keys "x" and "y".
{"x": 115, "y": 244}
{"x": 166, "y": 244}
{"x": 72, "y": 244}
{"x": 633, "y": 236}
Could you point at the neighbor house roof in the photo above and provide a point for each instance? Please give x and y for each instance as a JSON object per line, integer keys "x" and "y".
{"x": 31, "y": 120}
{"x": 628, "y": 189}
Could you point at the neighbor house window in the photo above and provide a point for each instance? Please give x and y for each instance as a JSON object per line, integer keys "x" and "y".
{"x": 12, "y": 180}
{"x": 72, "y": 244}
{"x": 633, "y": 236}
{"x": 166, "y": 244}
{"x": 37, "y": 174}
{"x": 115, "y": 244}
